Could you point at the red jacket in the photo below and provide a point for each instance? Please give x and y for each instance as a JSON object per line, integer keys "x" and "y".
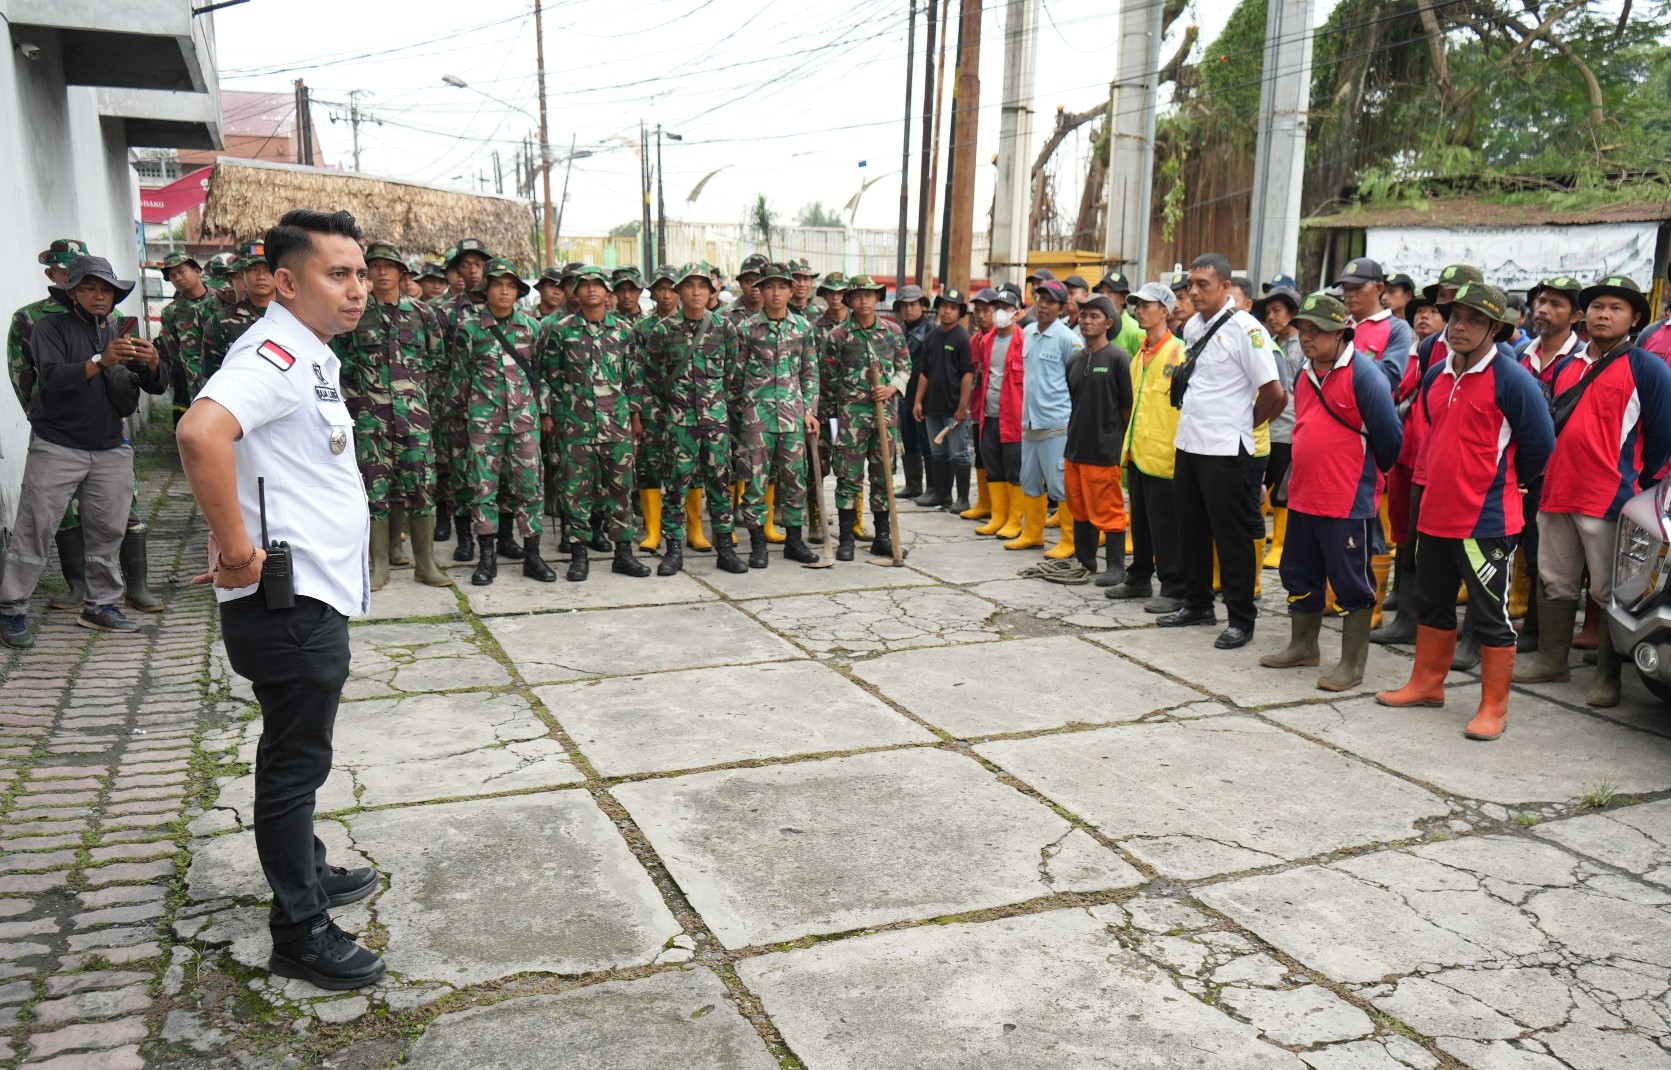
{"x": 1010, "y": 394}
{"x": 1619, "y": 432}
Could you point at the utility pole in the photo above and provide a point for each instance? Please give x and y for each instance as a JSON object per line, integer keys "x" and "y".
{"x": 1010, "y": 214}
{"x": 645, "y": 238}
{"x": 498, "y": 173}
{"x": 1131, "y": 126}
{"x": 567, "y": 171}
{"x": 966, "y": 103}
{"x": 354, "y": 123}
{"x": 925, "y": 187}
{"x": 1279, "y": 165}
{"x": 905, "y": 149}
{"x": 304, "y": 125}
{"x": 661, "y": 204}
{"x": 545, "y": 142}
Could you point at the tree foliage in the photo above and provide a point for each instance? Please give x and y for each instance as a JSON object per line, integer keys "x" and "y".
{"x": 816, "y": 215}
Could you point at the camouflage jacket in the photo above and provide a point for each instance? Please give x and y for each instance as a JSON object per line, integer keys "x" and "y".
{"x": 595, "y": 374}
{"x": 844, "y": 370}
{"x": 691, "y": 385}
{"x": 220, "y": 331}
{"x": 20, "y": 360}
{"x": 182, "y": 328}
{"x": 778, "y": 384}
{"x": 486, "y": 383}
{"x": 392, "y": 351}
{"x": 736, "y": 312}
{"x": 821, "y": 328}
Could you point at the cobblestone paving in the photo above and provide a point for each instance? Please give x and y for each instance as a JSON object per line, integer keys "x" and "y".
{"x": 862, "y": 817}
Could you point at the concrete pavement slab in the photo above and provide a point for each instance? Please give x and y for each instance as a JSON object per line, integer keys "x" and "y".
{"x": 687, "y": 720}
{"x": 685, "y": 1019}
{"x": 869, "y": 622}
{"x": 548, "y": 648}
{"x": 1427, "y": 744}
{"x": 976, "y": 560}
{"x": 1081, "y": 606}
{"x": 531, "y": 883}
{"x": 403, "y": 598}
{"x": 226, "y": 867}
{"x": 513, "y": 592}
{"x": 1199, "y": 798}
{"x": 1634, "y": 838}
{"x": 1636, "y": 707}
{"x": 1039, "y": 992}
{"x": 411, "y": 658}
{"x": 783, "y": 577}
{"x": 1020, "y": 685}
{"x": 827, "y": 846}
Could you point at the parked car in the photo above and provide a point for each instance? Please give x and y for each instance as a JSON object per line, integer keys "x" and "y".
{"x": 1640, "y": 616}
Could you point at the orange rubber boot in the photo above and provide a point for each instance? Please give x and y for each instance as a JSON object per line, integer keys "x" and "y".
{"x": 1496, "y": 669}
{"x": 1434, "y": 650}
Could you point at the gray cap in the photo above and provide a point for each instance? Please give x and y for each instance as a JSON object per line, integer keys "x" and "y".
{"x": 1157, "y": 293}
{"x": 908, "y": 294}
{"x": 986, "y": 295}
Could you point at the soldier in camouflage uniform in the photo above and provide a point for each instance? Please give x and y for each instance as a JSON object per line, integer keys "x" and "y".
{"x": 650, "y": 459}
{"x": 387, "y": 362}
{"x": 550, "y": 288}
{"x": 494, "y": 379}
{"x": 432, "y": 280}
{"x": 229, "y": 324}
{"x": 662, "y": 291}
{"x": 748, "y": 288}
{"x": 592, "y": 367}
{"x": 775, "y": 410}
{"x": 692, "y": 370}
{"x": 465, "y": 261}
{"x": 191, "y": 300}
{"x": 627, "y": 283}
{"x": 849, "y": 351}
{"x": 833, "y": 315}
{"x": 800, "y": 302}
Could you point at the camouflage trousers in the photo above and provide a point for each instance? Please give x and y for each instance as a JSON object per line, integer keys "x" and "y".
{"x": 503, "y": 466}
{"x": 597, "y": 481}
{"x": 397, "y": 461}
{"x": 698, "y": 458}
{"x": 855, "y": 446}
{"x": 451, "y": 439}
{"x": 772, "y": 457}
{"x": 650, "y": 462}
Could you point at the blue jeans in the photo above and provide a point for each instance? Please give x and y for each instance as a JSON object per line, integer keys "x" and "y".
{"x": 956, "y": 446}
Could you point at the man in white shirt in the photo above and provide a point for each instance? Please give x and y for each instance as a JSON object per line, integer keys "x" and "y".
{"x": 1232, "y": 388}
{"x": 274, "y": 413}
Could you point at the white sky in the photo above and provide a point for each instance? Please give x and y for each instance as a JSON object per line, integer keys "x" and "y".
{"x": 787, "y": 97}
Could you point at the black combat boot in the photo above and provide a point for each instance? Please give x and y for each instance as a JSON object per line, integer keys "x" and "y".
{"x": 846, "y": 518}
{"x": 1085, "y": 544}
{"x": 725, "y": 550}
{"x": 626, "y": 562}
{"x": 1116, "y": 572}
{"x": 533, "y": 565}
{"x": 487, "y": 569}
{"x": 673, "y": 558}
{"x": 757, "y": 547}
{"x": 579, "y": 566}
{"x": 960, "y": 490}
{"x": 466, "y": 548}
{"x": 1467, "y": 645}
{"x": 508, "y": 549}
{"x": 939, "y": 485}
{"x": 600, "y": 534}
{"x": 913, "y": 475}
{"x": 884, "y": 544}
{"x": 443, "y": 526}
{"x": 795, "y": 547}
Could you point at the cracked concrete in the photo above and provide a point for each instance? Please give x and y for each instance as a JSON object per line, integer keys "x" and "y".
{"x": 870, "y": 622}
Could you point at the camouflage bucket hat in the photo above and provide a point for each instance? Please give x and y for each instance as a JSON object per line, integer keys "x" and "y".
{"x": 1483, "y": 297}
{"x": 1453, "y": 276}
{"x": 174, "y": 260}
{"x": 777, "y": 270}
{"x": 551, "y": 276}
{"x": 435, "y": 267}
{"x": 382, "y": 250}
{"x": 835, "y": 282}
{"x": 862, "y": 283}
{"x": 414, "y": 265}
{"x": 589, "y": 273}
{"x": 753, "y": 264}
{"x": 1621, "y": 286}
{"x": 1323, "y": 310}
{"x": 802, "y": 267}
{"x": 626, "y": 276}
{"x": 696, "y": 269}
{"x": 250, "y": 254}
{"x": 499, "y": 268}
{"x": 668, "y": 273}
{"x": 62, "y": 252}
{"x": 468, "y": 245}
{"x": 1565, "y": 285}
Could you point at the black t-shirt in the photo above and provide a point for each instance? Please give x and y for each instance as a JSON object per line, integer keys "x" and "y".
{"x": 1100, "y": 386}
{"x": 946, "y": 360}
{"x": 69, "y": 409}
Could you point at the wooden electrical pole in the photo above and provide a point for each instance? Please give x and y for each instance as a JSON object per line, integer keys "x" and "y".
{"x": 966, "y": 103}
{"x": 925, "y": 190}
{"x": 545, "y": 141}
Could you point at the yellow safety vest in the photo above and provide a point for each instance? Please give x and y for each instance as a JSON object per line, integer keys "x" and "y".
{"x": 1153, "y": 431}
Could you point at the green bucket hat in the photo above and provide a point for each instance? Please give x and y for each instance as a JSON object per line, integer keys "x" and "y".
{"x": 174, "y": 260}
{"x": 382, "y": 250}
{"x": 551, "y": 276}
{"x": 1565, "y": 285}
{"x": 777, "y": 270}
{"x": 61, "y": 252}
{"x": 803, "y": 266}
{"x": 1323, "y": 310}
{"x": 497, "y": 268}
{"x": 696, "y": 269}
{"x": 861, "y": 283}
{"x": 1483, "y": 297}
{"x": 625, "y": 276}
{"x": 468, "y": 245}
{"x": 588, "y": 273}
{"x": 1454, "y": 275}
{"x": 1621, "y": 286}
{"x": 250, "y": 254}
{"x": 668, "y": 273}
{"x": 835, "y": 282}
{"x": 414, "y": 265}
{"x": 753, "y": 264}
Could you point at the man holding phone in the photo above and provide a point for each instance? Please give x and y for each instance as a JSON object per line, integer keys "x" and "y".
{"x": 274, "y": 413}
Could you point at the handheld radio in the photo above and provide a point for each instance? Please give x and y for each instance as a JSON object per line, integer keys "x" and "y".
{"x": 276, "y": 582}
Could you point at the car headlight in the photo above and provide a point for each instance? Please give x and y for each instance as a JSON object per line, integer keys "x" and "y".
{"x": 1639, "y": 570}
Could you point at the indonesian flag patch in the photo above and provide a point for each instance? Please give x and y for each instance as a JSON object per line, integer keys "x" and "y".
{"x": 276, "y": 355}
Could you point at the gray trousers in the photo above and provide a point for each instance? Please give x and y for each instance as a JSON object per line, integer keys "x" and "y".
{"x": 102, "y": 480}
{"x": 1566, "y": 543}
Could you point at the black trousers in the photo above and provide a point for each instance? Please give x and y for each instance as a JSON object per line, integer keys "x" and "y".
{"x": 1214, "y": 498}
{"x": 1002, "y": 460}
{"x": 1484, "y": 565}
{"x": 1154, "y": 533}
{"x": 911, "y": 429}
{"x": 297, "y": 661}
{"x": 1282, "y": 456}
{"x": 1529, "y": 543}
{"x": 1327, "y": 550}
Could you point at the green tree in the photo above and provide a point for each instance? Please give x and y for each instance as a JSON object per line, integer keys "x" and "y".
{"x": 816, "y": 215}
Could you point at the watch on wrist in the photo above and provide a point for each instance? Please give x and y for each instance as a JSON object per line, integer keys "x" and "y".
{"x": 98, "y": 358}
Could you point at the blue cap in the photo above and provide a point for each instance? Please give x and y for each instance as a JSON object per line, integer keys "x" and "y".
{"x": 1285, "y": 281}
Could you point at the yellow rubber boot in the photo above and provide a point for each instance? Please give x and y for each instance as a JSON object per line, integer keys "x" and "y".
{"x": 1000, "y": 507}
{"x": 1519, "y": 587}
{"x": 1258, "y": 574}
{"x": 1218, "y": 581}
{"x": 694, "y": 538}
{"x": 1033, "y": 512}
{"x": 1131, "y": 548}
{"x": 1381, "y": 566}
{"x": 859, "y": 531}
{"x": 983, "y": 499}
{"x": 1386, "y": 519}
{"x": 649, "y": 500}
{"x": 1064, "y": 545}
{"x": 1279, "y": 532}
{"x": 773, "y": 532}
{"x": 1012, "y": 522}
{"x": 1054, "y": 520}
{"x": 1462, "y": 595}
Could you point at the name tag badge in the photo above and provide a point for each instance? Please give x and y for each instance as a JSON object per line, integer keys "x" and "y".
{"x": 323, "y": 392}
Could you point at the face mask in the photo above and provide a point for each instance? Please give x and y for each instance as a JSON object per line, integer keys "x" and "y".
{"x": 1002, "y": 317}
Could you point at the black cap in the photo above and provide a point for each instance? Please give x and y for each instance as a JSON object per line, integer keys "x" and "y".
{"x": 1042, "y": 275}
{"x": 1052, "y": 289}
{"x": 1114, "y": 282}
{"x": 1079, "y": 281}
{"x": 1361, "y": 269}
{"x": 1398, "y": 278}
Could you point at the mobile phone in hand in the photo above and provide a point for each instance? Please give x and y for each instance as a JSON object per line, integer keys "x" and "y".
{"x": 128, "y": 328}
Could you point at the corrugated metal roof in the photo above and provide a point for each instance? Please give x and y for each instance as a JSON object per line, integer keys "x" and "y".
{"x": 1469, "y": 212}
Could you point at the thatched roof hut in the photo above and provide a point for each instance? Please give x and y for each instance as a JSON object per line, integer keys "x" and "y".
{"x": 246, "y": 197}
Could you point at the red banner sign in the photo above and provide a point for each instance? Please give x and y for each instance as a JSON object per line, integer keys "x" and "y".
{"x": 175, "y": 199}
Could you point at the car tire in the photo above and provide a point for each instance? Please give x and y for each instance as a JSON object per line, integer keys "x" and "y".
{"x": 1658, "y": 688}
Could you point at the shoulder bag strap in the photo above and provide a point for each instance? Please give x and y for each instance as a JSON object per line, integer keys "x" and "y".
{"x": 1339, "y": 419}
{"x": 1562, "y": 406}
{"x": 511, "y": 351}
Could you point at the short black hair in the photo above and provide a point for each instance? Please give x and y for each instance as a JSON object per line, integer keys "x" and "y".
{"x": 1244, "y": 284}
{"x": 293, "y": 236}
{"x": 1217, "y": 263}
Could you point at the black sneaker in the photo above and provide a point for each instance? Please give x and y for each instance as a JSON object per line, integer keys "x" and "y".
{"x": 14, "y": 630}
{"x": 345, "y": 886}
{"x": 326, "y": 957}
